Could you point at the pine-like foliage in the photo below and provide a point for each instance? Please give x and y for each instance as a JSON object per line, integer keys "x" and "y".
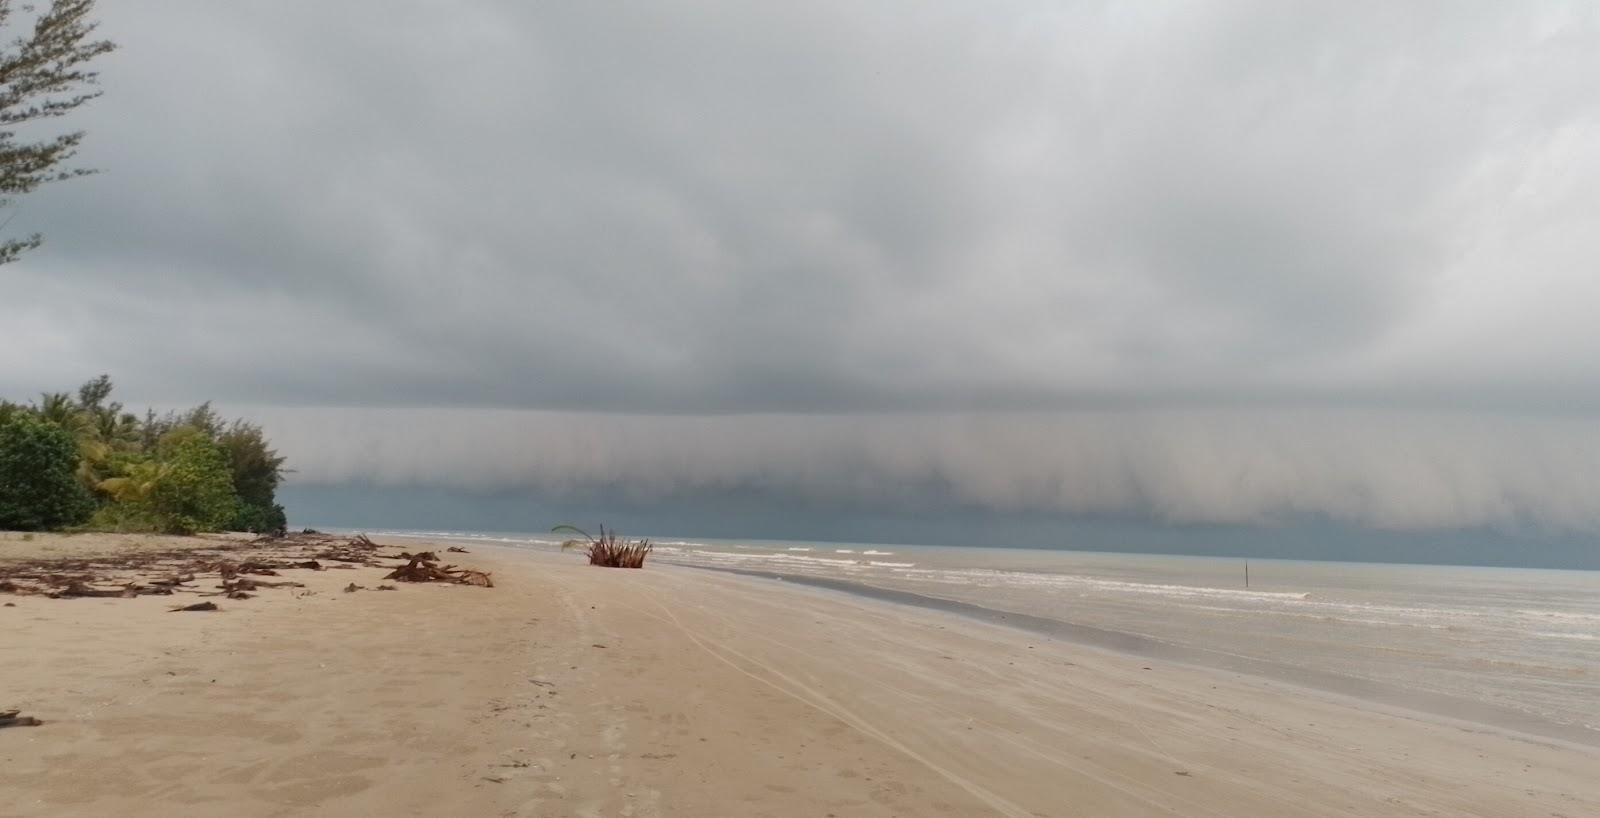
{"x": 42, "y": 77}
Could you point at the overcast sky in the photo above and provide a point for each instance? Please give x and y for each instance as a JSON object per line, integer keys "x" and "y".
{"x": 1199, "y": 262}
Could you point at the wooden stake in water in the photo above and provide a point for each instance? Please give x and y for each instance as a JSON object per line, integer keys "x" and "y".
{"x": 1247, "y": 573}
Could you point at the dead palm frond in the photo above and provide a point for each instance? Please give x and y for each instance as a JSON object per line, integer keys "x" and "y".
{"x": 607, "y": 550}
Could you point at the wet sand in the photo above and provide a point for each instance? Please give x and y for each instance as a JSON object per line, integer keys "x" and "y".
{"x": 571, "y": 690}
{"x": 1367, "y": 691}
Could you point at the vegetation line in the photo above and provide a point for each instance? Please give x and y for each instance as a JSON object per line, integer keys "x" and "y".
{"x": 80, "y": 462}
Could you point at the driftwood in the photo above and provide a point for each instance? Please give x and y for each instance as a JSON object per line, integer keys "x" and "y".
{"x": 456, "y": 549}
{"x": 232, "y": 588}
{"x": 79, "y": 589}
{"x": 9, "y": 718}
{"x": 478, "y": 578}
{"x": 423, "y": 568}
{"x": 198, "y": 606}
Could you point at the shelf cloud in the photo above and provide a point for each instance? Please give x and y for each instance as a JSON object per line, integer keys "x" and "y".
{"x": 1202, "y": 262}
{"x": 1385, "y": 470}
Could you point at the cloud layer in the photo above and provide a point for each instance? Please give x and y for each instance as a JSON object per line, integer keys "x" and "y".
{"x": 727, "y": 207}
{"x": 1388, "y": 470}
{"x": 1202, "y": 262}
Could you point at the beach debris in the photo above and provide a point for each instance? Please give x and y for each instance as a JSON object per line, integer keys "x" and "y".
{"x": 607, "y": 550}
{"x": 1184, "y": 773}
{"x": 128, "y": 591}
{"x": 352, "y": 588}
{"x": 10, "y": 718}
{"x": 241, "y": 567}
{"x": 198, "y": 606}
{"x": 424, "y": 567}
{"x": 419, "y": 569}
{"x": 479, "y": 578}
{"x": 456, "y": 549}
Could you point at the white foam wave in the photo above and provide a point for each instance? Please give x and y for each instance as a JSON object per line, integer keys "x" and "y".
{"x": 786, "y": 558}
{"x": 1562, "y": 616}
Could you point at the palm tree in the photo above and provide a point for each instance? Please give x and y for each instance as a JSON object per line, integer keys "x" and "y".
{"x": 58, "y": 408}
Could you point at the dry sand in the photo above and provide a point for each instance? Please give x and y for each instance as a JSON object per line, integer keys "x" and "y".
{"x": 576, "y": 691}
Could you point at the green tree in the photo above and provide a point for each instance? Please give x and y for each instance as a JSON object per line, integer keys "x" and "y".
{"x": 192, "y": 489}
{"x": 256, "y": 470}
{"x": 43, "y": 76}
{"x": 39, "y": 486}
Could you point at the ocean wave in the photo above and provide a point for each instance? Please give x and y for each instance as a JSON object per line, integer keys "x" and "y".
{"x": 1075, "y": 581}
{"x": 799, "y": 559}
{"x": 1562, "y": 616}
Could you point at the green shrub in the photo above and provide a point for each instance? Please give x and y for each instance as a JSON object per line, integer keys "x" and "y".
{"x": 194, "y": 491}
{"x": 259, "y": 519}
{"x": 39, "y": 488}
{"x": 125, "y": 518}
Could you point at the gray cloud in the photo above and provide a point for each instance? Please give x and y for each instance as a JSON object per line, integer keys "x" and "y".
{"x": 1211, "y": 262}
{"x": 1386, "y": 470}
{"x": 727, "y": 207}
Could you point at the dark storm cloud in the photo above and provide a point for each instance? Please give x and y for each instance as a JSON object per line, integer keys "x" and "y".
{"x": 1387, "y": 470}
{"x": 720, "y": 207}
{"x": 867, "y": 210}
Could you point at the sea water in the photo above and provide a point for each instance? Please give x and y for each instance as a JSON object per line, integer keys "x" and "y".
{"x": 1477, "y": 643}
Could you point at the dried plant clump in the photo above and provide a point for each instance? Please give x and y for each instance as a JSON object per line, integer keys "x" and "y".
{"x": 423, "y": 568}
{"x": 607, "y": 550}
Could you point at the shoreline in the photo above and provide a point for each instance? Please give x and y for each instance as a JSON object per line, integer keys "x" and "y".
{"x": 1364, "y": 691}
{"x": 573, "y": 690}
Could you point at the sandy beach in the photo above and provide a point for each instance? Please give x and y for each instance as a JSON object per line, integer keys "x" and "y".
{"x": 568, "y": 690}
